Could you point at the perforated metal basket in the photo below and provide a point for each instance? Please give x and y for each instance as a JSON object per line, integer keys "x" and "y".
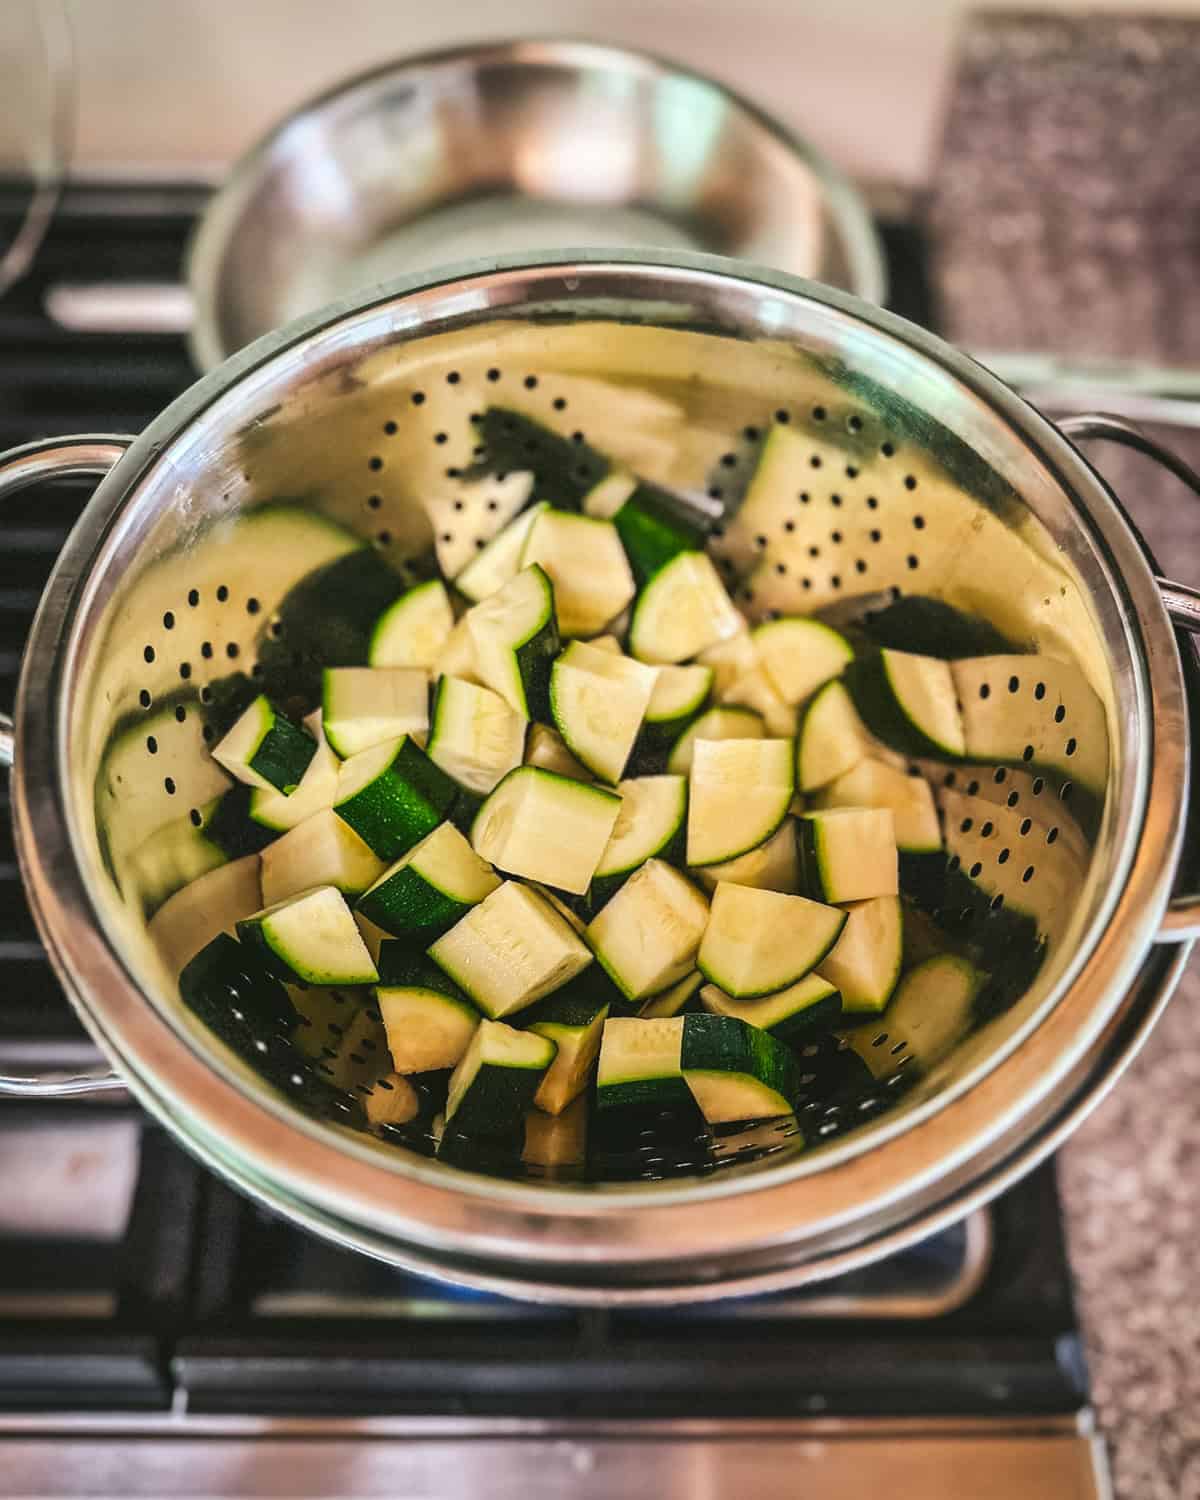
{"x": 924, "y": 475}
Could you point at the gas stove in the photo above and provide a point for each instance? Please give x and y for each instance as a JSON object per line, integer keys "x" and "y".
{"x": 159, "y": 1334}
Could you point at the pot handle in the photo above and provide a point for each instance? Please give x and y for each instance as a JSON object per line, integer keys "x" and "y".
{"x": 19, "y": 468}
{"x": 1181, "y": 921}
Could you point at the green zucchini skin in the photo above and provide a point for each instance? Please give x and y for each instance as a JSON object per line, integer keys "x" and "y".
{"x": 231, "y": 828}
{"x": 404, "y": 803}
{"x": 653, "y": 532}
{"x": 867, "y": 683}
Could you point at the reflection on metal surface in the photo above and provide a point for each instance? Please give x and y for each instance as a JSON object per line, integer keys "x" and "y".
{"x": 1050, "y": 1459}
{"x": 513, "y": 146}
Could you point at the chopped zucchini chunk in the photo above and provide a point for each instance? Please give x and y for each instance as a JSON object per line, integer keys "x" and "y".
{"x": 497, "y": 1080}
{"x": 649, "y": 825}
{"x": 428, "y": 889}
{"x": 652, "y": 530}
{"x": 392, "y": 1101}
{"x": 730, "y": 659}
{"x": 598, "y": 701}
{"x": 584, "y": 560}
{"x": 476, "y": 737}
{"x": 414, "y": 631}
{"x": 228, "y": 987}
{"x": 320, "y": 851}
{"x": 428, "y": 1020}
{"x": 759, "y": 941}
{"x": 265, "y": 749}
{"x": 393, "y": 795}
{"x": 735, "y": 1071}
{"x": 511, "y": 949}
{"x": 500, "y": 560}
{"x": 865, "y": 964}
{"x": 930, "y": 1012}
{"x": 641, "y": 1063}
{"x": 515, "y": 634}
{"x": 678, "y": 699}
{"x": 871, "y": 783}
{"x": 546, "y": 749}
{"x": 715, "y": 724}
{"x": 365, "y": 706}
{"x": 740, "y": 793}
{"x": 556, "y": 1142}
{"x": 909, "y": 702}
{"x": 755, "y": 690}
{"x": 808, "y": 1008}
{"x": 848, "y": 854}
{"x": 674, "y": 998}
{"x": 831, "y": 738}
{"x": 773, "y": 866}
{"x": 800, "y": 655}
{"x": 457, "y": 657}
{"x": 573, "y": 1018}
{"x": 648, "y": 934}
{"x": 213, "y": 903}
{"x": 682, "y": 611}
{"x": 546, "y": 827}
{"x": 311, "y": 938}
{"x": 315, "y": 791}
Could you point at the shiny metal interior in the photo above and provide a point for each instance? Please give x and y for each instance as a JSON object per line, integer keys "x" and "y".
{"x": 907, "y": 441}
{"x": 512, "y": 147}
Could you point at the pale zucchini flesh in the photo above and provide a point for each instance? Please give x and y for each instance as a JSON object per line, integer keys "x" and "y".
{"x": 414, "y": 631}
{"x": 585, "y": 561}
{"x": 475, "y": 736}
{"x": 740, "y": 792}
{"x": 755, "y": 690}
{"x": 809, "y": 1008}
{"x": 674, "y": 998}
{"x": 212, "y": 904}
{"x": 510, "y": 950}
{"x": 515, "y": 634}
{"x": 760, "y": 941}
{"x": 429, "y": 1022}
{"x": 640, "y": 1063}
{"x": 365, "y": 706}
{"x": 682, "y": 611}
{"x": 848, "y": 854}
{"x": 649, "y": 825}
{"x": 500, "y": 559}
{"x": 872, "y": 783}
{"x": 773, "y": 866}
{"x": 800, "y": 655}
{"x": 556, "y": 1142}
{"x": 831, "y": 738}
{"x": 311, "y": 938}
{"x": 323, "y": 850}
{"x": 909, "y": 702}
{"x": 865, "y": 964}
{"x": 546, "y": 827}
{"x": 598, "y": 701}
{"x": 646, "y": 937}
{"x": 546, "y": 749}
{"x": 714, "y": 724}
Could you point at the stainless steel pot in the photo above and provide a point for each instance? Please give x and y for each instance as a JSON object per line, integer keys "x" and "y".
{"x": 919, "y": 454}
{"x": 530, "y": 146}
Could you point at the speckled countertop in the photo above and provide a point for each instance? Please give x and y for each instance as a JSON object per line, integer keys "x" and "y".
{"x": 1066, "y": 216}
